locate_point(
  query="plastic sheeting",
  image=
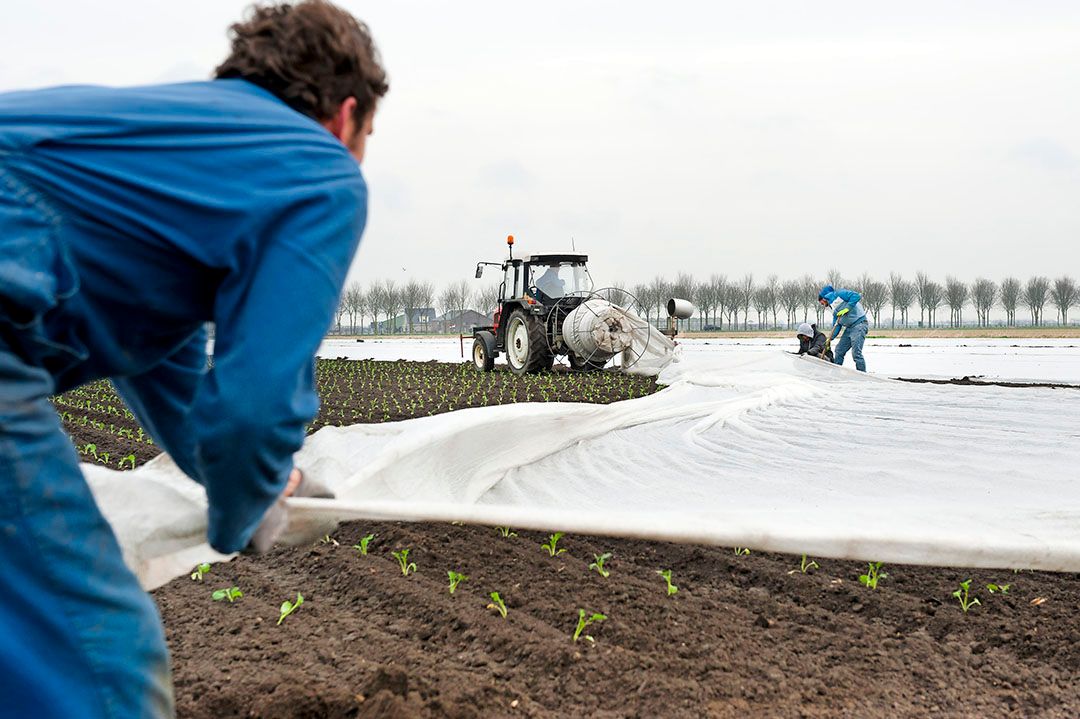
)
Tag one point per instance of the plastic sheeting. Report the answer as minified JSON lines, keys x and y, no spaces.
{"x":772,"y":452}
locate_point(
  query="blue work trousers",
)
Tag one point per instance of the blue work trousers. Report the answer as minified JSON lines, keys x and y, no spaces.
{"x":853,"y":339}
{"x":79,"y":638}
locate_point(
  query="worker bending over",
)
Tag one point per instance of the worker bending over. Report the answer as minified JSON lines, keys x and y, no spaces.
{"x":849,"y":316}
{"x":129,"y":218}
{"x":812,"y":342}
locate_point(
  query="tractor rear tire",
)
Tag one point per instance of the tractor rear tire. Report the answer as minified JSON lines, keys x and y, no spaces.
{"x":482,"y":355}
{"x":527,"y":348}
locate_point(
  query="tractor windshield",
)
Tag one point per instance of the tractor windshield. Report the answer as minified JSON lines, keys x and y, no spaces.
{"x":559,"y":279}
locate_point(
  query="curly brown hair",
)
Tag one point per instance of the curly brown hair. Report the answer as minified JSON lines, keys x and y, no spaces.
{"x":312,"y":55}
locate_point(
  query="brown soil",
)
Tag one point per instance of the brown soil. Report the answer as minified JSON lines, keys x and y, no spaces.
{"x":743,"y":636}
{"x":976,"y":382}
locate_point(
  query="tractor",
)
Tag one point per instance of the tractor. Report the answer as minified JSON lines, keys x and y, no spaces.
{"x":536,"y":295}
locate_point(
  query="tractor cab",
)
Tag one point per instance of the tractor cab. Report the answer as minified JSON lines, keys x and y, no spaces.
{"x":535,"y":295}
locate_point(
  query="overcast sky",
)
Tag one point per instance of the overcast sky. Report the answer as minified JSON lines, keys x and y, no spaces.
{"x":766,"y":137}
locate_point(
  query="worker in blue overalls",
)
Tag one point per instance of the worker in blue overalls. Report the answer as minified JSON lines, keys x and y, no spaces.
{"x":849,"y":317}
{"x":129,"y":218}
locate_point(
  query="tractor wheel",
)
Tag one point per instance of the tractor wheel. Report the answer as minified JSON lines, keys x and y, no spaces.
{"x":482,"y":356}
{"x":526,"y":344}
{"x":580,"y":364}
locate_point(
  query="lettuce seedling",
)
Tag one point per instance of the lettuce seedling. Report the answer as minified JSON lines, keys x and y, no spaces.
{"x":498,"y":604}
{"x":364,"y":542}
{"x":200,"y":570}
{"x":582,"y":622}
{"x":230,"y":593}
{"x":666,"y":574}
{"x":961,"y":595}
{"x":327,"y":539}
{"x":505,"y":532}
{"x":805,"y":566}
{"x":288,"y":607}
{"x":456,"y":578}
{"x":598,"y":565}
{"x":741,"y":551}
{"x":552,"y":543}
{"x":404,"y":563}
{"x":873,"y":575}
{"x":998,"y":588}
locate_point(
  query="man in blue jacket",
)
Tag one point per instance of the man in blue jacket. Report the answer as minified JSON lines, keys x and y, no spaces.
{"x":849,"y":316}
{"x":128,"y":219}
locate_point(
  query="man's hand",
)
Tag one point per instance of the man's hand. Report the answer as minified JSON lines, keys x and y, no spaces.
{"x":276,"y":519}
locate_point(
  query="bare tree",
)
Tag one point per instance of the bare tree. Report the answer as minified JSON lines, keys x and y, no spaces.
{"x":983,"y":296}
{"x":1036,"y":293}
{"x":661,"y":293}
{"x":956,"y":296}
{"x":415,"y":296}
{"x":389,"y":299}
{"x":1010,"y":299}
{"x":772,"y":295}
{"x":901,"y":296}
{"x":834,"y":278}
{"x":703,"y":299}
{"x":922,"y":293}
{"x":617,"y":295}
{"x":745,"y":293}
{"x":646,"y":302}
{"x":761,"y":304}
{"x":487,"y":299}
{"x":733,"y":303}
{"x":452,"y":301}
{"x":935,"y":295}
{"x":810,"y":289}
{"x":791,"y":297}
{"x":874,"y":296}
{"x":718,"y":287}
{"x":1064,"y":295}
{"x":353,"y":300}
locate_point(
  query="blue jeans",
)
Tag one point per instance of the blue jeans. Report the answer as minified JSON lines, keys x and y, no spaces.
{"x":853,"y":339}
{"x":78,"y":635}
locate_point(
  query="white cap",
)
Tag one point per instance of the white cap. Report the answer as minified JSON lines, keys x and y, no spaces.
{"x":806,"y":330}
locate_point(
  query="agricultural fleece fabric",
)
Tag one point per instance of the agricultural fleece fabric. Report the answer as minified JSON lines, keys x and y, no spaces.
{"x":128,"y":219}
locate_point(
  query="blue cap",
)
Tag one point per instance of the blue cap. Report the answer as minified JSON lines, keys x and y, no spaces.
{"x":826,"y":290}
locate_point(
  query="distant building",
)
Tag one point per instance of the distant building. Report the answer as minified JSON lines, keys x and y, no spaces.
{"x":462,"y":322}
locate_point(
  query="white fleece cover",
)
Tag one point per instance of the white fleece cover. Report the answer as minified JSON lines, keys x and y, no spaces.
{"x":897,"y":472}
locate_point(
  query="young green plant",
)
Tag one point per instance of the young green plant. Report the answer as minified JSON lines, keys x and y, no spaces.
{"x":404,"y":563}
{"x":552,"y":544}
{"x":230,"y":593}
{"x":666,"y":574}
{"x":288,"y":607}
{"x":456,"y":578}
{"x":497,"y":604}
{"x":505,"y":532}
{"x":998,"y":588}
{"x":582,"y":622}
{"x":805,"y":566}
{"x":873,"y":575}
{"x":962,"y":596}
{"x":598,"y":565}
{"x":200,"y":571}
{"x":362,"y":547}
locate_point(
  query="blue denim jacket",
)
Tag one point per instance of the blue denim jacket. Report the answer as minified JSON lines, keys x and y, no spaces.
{"x":131,"y":217}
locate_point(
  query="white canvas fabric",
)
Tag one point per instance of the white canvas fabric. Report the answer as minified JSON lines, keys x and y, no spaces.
{"x":922,"y":474}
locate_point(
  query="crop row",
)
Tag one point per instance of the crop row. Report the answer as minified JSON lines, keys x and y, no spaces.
{"x":964,"y":596}
{"x":351,"y":392}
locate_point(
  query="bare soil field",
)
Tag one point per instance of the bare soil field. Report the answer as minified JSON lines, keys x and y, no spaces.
{"x":745,"y":634}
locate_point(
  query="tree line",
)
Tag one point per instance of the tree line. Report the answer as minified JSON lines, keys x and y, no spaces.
{"x":742,"y":303}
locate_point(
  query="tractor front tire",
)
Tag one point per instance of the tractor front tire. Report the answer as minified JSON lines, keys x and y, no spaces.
{"x":527,"y":348}
{"x":483,"y":354}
